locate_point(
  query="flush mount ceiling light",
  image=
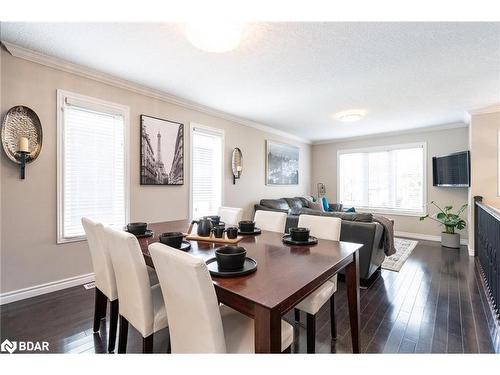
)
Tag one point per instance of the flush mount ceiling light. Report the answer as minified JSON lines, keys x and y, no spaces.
{"x":214,"y":36}
{"x":350,"y":115}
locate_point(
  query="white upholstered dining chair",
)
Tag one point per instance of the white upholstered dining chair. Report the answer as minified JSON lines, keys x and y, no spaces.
{"x":105,"y":284}
{"x":141,"y":304}
{"x":270,"y":220}
{"x":230,"y":215}
{"x":197,"y":323}
{"x":327,"y":228}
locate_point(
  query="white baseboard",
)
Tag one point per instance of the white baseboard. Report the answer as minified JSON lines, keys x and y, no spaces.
{"x":471,"y":250}
{"x":428,"y":237}
{"x":37,"y":290}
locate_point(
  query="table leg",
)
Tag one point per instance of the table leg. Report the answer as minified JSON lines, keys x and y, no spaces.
{"x":267,"y":330}
{"x":352,"y":283}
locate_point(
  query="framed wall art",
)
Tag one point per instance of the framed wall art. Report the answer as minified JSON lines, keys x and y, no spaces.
{"x":282,"y":164}
{"x":162,"y":151}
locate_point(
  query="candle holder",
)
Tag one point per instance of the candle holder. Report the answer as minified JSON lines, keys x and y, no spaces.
{"x":236,"y":164}
{"x":22,"y":155}
{"x":21,"y":122}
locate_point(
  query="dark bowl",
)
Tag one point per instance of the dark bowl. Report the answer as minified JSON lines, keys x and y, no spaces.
{"x":230,"y":258}
{"x":232,"y":232}
{"x":215,"y":219}
{"x":172,"y":239}
{"x":218,"y":231}
{"x":299,"y":234}
{"x":137,"y":228}
{"x":246,"y":226}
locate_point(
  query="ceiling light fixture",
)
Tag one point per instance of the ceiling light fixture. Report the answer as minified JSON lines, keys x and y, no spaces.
{"x":350,"y":115}
{"x":214,"y":36}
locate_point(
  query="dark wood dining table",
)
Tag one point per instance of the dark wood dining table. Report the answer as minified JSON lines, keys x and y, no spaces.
{"x":285,"y":275}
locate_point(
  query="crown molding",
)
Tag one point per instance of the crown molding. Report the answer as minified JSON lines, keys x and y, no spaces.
{"x":66,"y":66}
{"x":489,"y":109}
{"x":397,"y":132}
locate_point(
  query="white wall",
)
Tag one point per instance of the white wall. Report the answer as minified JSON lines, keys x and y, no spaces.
{"x":438,"y":142}
{"x":484,"y":128}
{"x":29,"y":253}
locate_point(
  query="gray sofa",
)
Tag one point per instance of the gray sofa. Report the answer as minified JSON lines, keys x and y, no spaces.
{"x":356,"y":227}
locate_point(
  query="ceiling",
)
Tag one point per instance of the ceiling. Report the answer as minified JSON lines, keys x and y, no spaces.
{"x":295,"y":76}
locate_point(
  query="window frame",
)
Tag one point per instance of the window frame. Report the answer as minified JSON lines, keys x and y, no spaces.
{"x":215,"y":131}
{"x":390,"y":211}
{"x":100,"y":106}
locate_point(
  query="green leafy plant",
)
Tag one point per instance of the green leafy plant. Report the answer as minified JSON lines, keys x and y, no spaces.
{"x":447,"y":218}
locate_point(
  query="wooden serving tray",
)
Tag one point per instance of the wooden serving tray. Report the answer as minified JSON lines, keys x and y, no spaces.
{"x":224,"y":239}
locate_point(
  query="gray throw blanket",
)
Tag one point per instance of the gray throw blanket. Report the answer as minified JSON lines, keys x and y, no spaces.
{"x":388,"y":235}
{"x":388,"y":225}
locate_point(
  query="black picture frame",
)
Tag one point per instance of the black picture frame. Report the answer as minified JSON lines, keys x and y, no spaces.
{"x":169,"y":170}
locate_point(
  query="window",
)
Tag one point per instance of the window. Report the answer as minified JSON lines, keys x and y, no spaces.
{"x":92,"y":164}
{"x":383,"y":179}
{"x":206,"y":170}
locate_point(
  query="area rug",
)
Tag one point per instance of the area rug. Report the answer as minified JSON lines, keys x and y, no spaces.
{"x":404,"y":247}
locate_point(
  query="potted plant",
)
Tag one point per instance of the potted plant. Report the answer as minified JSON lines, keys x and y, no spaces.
{"x":450,"y":221}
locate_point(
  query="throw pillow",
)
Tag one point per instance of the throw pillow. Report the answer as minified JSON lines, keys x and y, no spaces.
{"x":294,"y":202}
{"x":316,"y":206}
{"x":326,"y":205}
{"x":350,"y":210}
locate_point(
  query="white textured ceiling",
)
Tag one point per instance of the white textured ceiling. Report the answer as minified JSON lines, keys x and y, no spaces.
{"x":294,"y":76}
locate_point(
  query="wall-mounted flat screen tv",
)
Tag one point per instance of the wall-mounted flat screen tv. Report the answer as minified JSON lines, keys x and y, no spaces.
{"x":451,"y":170}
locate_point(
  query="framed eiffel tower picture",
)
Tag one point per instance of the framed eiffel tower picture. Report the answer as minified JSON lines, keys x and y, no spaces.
{"x":162,"y":151}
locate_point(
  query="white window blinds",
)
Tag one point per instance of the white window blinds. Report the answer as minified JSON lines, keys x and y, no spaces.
{"x":93,"y":178}
{"x":206,"y":189}
{"x":383,"y":179}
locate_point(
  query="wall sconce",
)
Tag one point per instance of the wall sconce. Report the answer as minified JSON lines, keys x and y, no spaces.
{"x":236,"y":164}
{"x":321,"y":189}
{"x":21,"y":136}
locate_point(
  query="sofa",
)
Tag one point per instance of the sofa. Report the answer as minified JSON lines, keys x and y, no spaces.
{"x":356,"y":227}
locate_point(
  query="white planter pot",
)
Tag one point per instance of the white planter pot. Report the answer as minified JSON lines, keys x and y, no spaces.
{"x":450,"y":240}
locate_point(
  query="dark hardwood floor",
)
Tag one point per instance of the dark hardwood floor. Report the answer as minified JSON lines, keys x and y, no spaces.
{"x":435,"y":304}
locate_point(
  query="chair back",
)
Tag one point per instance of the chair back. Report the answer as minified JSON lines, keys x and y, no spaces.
{"x":101,"y":259}
{"x":132,"y":280}
{"x":324,"y":227}
{"x":195,"y":323}
{"x":270,"y":220}
{"x":230,"y":215}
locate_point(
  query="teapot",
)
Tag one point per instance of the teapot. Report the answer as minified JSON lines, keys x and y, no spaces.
{"x":203,"y":226}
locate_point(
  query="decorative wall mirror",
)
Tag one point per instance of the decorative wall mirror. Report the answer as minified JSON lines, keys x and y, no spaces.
{"x":236,"y":164}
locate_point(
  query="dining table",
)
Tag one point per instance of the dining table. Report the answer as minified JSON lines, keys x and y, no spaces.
{"x":285,"y":275}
